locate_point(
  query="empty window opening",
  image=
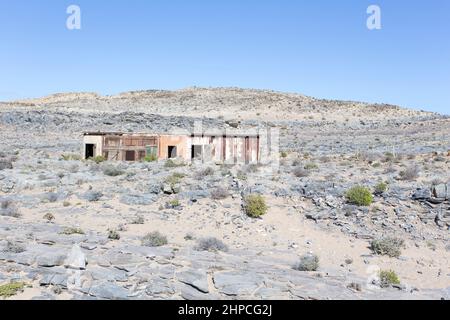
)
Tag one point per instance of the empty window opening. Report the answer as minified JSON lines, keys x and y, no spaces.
{"x":130,"y":156}
{"x":90,"y":151}
{"x":196,"y":152}
{"x":172,"y":152}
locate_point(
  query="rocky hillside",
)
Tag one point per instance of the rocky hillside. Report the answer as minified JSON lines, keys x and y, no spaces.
{"x":225,"y":102}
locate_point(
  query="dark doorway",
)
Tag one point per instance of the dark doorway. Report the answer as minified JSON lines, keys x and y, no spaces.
{"x":172,"y":152}
{"x":130,"y":156}
{"x":90,"y":151}
{"x":196,"y":152}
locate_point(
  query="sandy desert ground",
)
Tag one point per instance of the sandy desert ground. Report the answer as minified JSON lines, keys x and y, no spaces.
{"x":74,"y":229}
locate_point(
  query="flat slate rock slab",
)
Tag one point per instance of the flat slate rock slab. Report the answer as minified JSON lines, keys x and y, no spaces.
{"x":109,"y":291}
{"x":197,"y":279}
{"x":234,"y":283}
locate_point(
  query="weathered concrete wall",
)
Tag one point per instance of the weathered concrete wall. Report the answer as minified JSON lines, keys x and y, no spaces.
{"x":95,"y":140}
{"x":181,"y":142}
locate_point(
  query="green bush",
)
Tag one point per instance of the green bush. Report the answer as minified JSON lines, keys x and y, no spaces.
{"x":360,"y":196}
{"x":388,"y":278}
{"x":11,"y":289}
{"x":113,"y":235}
{"x":308,"y":262}
{"x":311,"y":166}
{"x":284,"y":154}
{"x":241,"y":176}
{"x":150,"y":158}
{"x":255,"y":206}
{"x":381,"y":188}
{"x":112,"y":171}
{"x":388,"y":157}
{"x":172,"y":204}
{"x":173,"y":164}
{"x":99,"y":159}
{"x":175,"y":178}
{"x":387,"y":246}
{"x":70,"y":231}
{"x":154,"y":239}
{"x":69,"y":157}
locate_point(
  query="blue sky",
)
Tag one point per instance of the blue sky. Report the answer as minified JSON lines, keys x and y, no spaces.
{"x":320,"y":48}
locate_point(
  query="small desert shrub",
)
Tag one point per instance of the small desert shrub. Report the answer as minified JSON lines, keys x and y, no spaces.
{"x":410,"y":173}
{"x":381,"y":188}
{"x":308,"y":262}
{"x":390,"y":169}
{"x":49,"y":217}
{"x":150,"y":158}
{"x":387,"y":246}
{"x":360,"y":196}
{"x":71,"y":157}
{"x":11,"y":289}
{"x":376,"y":165}
{"x":311,"y":166}
{"x":255,"y":206}
{"x":388,"y":157}
{"x":175,"y":178}
{"x":189,"y":236}
{"x":297,"y":162}
{"x":99,"y":159}
{"x":283,"y":154}
{"x":173,"y":164}
{"x":300,"y":172}
{"x":205,"y":172}
{"x":138,"y":220}
{"x":324,"y":159}
{"x":355,"y":286}
{"x":172,"y":204}
{"x":9,"y":209}
{"x":211,"y":244}
{"x":388,"y":278}
{"x":252,"y":168}
{"x":219,"y":193}
{"x":241,"y":176}
{"x":70,"y":231}
{"x":113,"y":235}
{"x":154,"y":239}
{"x":112,"y":171}
{"x":14,"y":247}
{"x":66,"y":204}
{"x":5,"y":164}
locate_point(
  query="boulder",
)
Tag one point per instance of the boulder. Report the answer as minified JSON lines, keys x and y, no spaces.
{"x":235,"y":283}
{"x":422,"y":194}
{"x":76,"y":259}
{"x":441,"y":191}
{"x":50,"y":259}
{"x":92,"y":196}
{"x":195,"y":278}
{"x":109,"y":291}
{"x":138,"y":199}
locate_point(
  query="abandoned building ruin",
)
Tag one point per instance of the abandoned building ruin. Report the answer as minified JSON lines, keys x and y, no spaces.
{"x":237,"y":148}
